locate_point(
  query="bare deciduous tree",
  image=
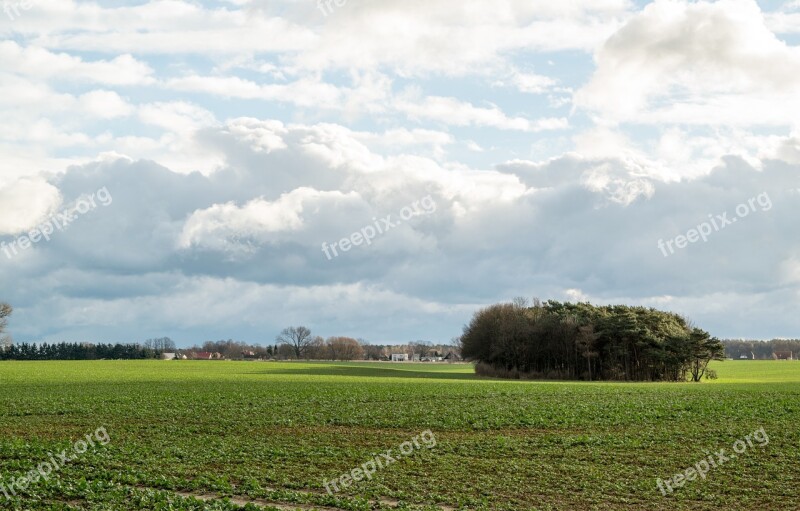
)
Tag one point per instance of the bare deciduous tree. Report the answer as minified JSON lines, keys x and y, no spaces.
{"x":285,"y":352}
{"x":299,"y":338}
{"x":345,"y":348}
{"x":160,"y":344}
{"x":5,"y":312}
{"x":316,"y":349}
{"x":421,"y":348}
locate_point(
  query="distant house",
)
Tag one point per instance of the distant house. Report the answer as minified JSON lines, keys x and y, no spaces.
{"x":168,"y":356}
{"x":205,"y":355}
{"x":432,"y":359}
{"x":452,"y":357}
{"x":783,"y":355}
{"x":399,"y":357}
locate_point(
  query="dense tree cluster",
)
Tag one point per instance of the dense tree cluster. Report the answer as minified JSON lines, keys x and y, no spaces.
{"x":582,"y":341}
{"x":76,"y":351}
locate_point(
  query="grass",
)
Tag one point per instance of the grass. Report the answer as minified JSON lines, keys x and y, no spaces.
{"x":273,"y":432}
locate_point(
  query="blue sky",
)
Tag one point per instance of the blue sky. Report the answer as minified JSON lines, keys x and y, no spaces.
{"x":561,"y":146}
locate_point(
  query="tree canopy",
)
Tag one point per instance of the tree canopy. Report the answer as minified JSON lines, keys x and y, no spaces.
{"x":299,"y":338}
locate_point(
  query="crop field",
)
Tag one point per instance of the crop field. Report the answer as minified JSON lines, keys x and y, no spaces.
{"x":266,"y":435}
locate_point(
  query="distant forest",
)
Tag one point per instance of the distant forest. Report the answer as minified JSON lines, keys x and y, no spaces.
{"x":581,"y":341}
{"x":336,"y":348}
{"x":761,"y":350}
{"x":293,"y":343}
{"x":551,"y":340}
{"x":76,"y":351}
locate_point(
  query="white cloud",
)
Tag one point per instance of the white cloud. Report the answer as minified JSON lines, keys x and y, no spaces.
{"x":230,"y":228}
{"x":438,"y":36}
{"x":459,"y":113}
{"x":696,"y":63}
{"x":785,"y":20}
{"x":237,"y":138}
{"x":789,"y":150}
{"x":305,"y":92}
{"x":161,"y":27}
{"x":40,"y":63}
{"x":179,"y":116}
{"x":529,"y":83}
{"x":24,"y":203}
{"x":105,"y":104}
{"x":419,"y":36}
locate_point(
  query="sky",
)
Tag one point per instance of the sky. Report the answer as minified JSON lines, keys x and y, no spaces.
{"x":384,"y":168}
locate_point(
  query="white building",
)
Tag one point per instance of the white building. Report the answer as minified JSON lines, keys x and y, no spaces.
{"x":399,"y":357}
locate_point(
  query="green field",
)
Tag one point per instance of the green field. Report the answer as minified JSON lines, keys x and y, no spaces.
{"x":264,"y":435}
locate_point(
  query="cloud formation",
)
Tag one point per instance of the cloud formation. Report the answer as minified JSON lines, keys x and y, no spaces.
{"x":560,"y":142}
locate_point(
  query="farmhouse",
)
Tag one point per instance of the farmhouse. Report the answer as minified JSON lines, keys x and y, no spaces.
{"x":783,"y":355}
{"x":399,"y":357}
{"x":168,"y":356}
{"x":452,"y":357}
{"x":205,"y":355}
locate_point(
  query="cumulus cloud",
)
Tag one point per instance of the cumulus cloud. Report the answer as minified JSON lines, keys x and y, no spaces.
{"x":423,"y":36}
{"x":459,"y":113}
{"x":305,"y":92}
{"x":228,"y":227}
{"x":23,"y":203}
{"x":105,"y":104}
{"x":569,"y":227}
{"x":40,"y":63}
{"x":232,"y":157}
{"x":695,"y":63}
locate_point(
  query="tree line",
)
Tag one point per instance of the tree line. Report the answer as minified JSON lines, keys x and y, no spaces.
{"x":760,"y":350}
{"x":555,"y":340}
{"x":297,"y":342}
{"x":298,"y":345}
{"x":76,"y":351}
{"x":292,"y":343}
